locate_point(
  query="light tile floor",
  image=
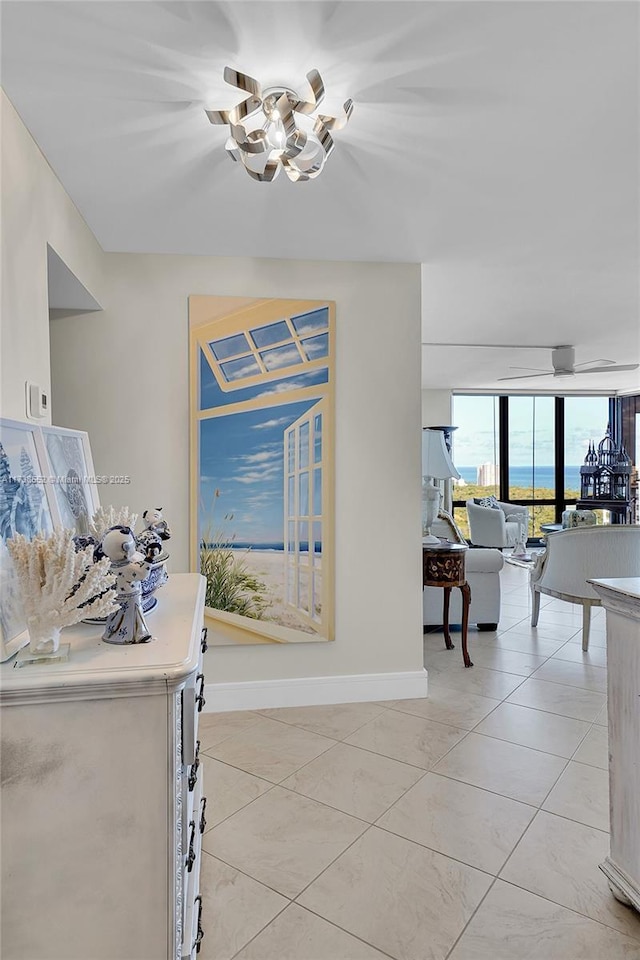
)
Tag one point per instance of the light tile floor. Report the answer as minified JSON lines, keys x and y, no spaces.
{"x":466,"y":826}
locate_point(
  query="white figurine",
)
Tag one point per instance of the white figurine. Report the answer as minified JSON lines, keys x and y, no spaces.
{"x":127,"y":624}
{"x":153,"y":521}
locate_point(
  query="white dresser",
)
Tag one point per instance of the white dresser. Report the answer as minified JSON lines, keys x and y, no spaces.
{"x":102,"y":803}
{"x":621,"y":599}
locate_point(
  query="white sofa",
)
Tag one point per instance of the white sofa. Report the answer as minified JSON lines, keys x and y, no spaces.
{"x":482,"y":569}
{"x":502,"y":527}
{"x":573,"y":557}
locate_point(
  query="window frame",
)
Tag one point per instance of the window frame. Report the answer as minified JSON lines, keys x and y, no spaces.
{"x":559,"y":502}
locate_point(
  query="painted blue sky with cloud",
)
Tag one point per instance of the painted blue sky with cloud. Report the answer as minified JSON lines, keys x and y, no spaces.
{"x":241,"y":455}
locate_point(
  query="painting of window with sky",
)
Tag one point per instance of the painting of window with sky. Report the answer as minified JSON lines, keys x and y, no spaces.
{"x":261,"y":380}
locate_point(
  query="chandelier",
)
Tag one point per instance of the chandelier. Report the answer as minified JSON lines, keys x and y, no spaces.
{"x":275,"y":129}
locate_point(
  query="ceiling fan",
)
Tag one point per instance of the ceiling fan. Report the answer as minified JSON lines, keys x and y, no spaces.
{"x":563,"y":361}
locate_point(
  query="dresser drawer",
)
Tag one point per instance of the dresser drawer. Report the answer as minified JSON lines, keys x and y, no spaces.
{"x":193,"y":702}
{"x":191,"y":947}
{"x":193,"y":838}
{"x":191,"y":791}
{"x":191,"y":870}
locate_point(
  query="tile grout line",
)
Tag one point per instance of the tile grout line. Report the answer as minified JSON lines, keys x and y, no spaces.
{"x":298,"y":726}
{"x":342,"y":929}
{"x":244,"y":873}
{"x":460,"y":935}
{"x":269,"y":922}
{"x":244,"y":805}
{"x":556,"y":903}
{"x":530,"y":706}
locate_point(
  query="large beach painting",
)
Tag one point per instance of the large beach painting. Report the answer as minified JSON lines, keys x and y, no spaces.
{"x":262,"y":466}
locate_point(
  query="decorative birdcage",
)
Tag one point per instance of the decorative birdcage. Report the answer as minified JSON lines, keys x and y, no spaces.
{"x":606,"y":472}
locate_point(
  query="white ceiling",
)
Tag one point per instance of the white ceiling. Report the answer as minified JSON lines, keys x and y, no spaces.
{"x":494,"y":142}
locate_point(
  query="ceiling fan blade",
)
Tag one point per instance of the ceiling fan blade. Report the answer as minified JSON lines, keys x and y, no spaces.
{"x":535,"y":369}
{"x":589,"y":362}
{"x":614,"y":369}
{"x":529,"y":376}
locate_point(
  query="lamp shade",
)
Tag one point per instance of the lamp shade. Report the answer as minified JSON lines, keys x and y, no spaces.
{"x":436,"y":461}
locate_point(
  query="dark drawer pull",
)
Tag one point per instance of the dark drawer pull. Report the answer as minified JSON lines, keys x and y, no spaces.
{"x":204,"y":646}
{"x":203,"y":819}
{"x":193,"y":772}
{"x":200,"y":934}
{"x":191,"y":856}
{"x":200,"y":700}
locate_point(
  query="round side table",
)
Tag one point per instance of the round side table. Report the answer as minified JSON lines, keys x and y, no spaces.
{"x":443,"y":566}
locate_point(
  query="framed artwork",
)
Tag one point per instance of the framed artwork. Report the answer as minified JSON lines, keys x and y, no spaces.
{"x":262,"y":481}
{"x":67,"y":456}
{"x":27,"y":506}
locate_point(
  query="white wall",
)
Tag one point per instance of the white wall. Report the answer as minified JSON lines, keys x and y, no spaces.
{"x":35,"y":211}
{"x":123,"y":376}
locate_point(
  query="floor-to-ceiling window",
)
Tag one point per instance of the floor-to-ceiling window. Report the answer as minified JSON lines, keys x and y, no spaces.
{"x":531,"y":458}
{"x":580,"y":415}
{"x":476,"y":443}
{"x":524,"y":449}
{"x":476,"y":452}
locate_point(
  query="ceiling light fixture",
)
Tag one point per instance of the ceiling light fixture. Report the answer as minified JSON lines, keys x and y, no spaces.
{"x":274,"y":129}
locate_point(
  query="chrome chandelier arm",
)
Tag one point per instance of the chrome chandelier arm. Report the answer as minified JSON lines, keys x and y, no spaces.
{"x":265,"y":135}
{"x":317,"y":94}
{"x":337,"y":123}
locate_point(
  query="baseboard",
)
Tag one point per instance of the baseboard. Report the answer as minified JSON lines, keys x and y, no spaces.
{"x":312,"y":691}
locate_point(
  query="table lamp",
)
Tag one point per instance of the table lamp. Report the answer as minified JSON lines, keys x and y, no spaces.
{"x":436,"y":465}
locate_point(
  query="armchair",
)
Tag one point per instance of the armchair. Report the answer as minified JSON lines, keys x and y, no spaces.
{"x":573,"y":557}
{"x":501,"y":526}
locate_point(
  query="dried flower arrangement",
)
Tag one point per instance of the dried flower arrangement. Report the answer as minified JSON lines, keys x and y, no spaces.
{"x":59,"y":585}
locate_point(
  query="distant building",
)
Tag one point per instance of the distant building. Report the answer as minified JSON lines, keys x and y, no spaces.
{"x":487,"y":475}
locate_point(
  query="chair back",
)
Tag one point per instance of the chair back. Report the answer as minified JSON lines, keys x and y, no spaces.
{"x":584,"y":553}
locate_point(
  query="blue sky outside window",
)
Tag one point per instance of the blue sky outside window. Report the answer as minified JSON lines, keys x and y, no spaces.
{"x":291,"y":450}
{"x":281,"y":357}
{"x":303,"y":501}
{"x":229,"y":346}
{"x":303,"y":446}
{"x":317,"y":492}
{"x":273,"y":333}
{"x":316,"y":347}
{"x":239,"y":369}
{"x":313,"y":322}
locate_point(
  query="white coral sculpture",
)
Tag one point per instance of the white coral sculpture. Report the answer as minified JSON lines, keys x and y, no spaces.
{"x":107,"y":517}
{"x":59,"y":586}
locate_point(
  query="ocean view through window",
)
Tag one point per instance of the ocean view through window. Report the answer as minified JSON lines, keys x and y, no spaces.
{"x":525,"y":450}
